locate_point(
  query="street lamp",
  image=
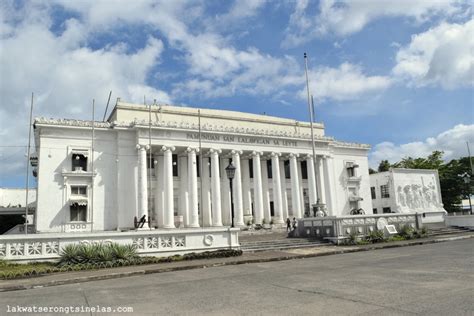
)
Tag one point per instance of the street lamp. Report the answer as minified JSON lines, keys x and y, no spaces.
{"x":467,"y":180}
{"x":230,"y":170}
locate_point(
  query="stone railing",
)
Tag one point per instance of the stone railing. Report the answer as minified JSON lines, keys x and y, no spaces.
{"x":338,"y":228}
{"x":40,"y":247}
{"x":460,"y":221}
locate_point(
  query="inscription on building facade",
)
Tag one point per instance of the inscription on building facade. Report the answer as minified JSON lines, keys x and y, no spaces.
{"x":242,"y":139}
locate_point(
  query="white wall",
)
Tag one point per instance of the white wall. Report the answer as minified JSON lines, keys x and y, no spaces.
{"x":343,"y":183}
{"x":426,"y":181}
{"x":54,"y":185}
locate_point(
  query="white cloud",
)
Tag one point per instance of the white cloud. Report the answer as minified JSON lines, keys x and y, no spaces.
{"x":242,"y":9}
{"x":347,"y":82}
{"x":215,"y":66}
{"x":440,"y":56}
{"x":452,"y":142}
{"x":64,"y":73}
{"x":346,"y":17}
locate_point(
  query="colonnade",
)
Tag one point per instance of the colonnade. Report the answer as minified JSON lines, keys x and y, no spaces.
{"x":215,"y":199}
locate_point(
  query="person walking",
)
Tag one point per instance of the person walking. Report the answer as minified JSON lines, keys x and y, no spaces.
{"x":288,"y":224}
{"x":294,"y":223}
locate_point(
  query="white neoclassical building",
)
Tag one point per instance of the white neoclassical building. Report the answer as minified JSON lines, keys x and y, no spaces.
{"x":167,"y":163}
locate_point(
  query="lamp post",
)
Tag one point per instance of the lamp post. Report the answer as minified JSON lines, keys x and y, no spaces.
{"x":467,"y":180}
{"x":230,"y":170}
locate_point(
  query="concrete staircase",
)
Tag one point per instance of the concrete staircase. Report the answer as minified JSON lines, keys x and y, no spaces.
{"x":446,"y":231}
{"x":276,"y":241}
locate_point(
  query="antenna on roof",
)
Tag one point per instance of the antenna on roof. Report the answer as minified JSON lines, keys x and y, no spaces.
{"x":110,"y":94}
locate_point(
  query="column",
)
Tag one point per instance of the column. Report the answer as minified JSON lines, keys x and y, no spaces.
{"x":320,"y":180}
{"x":225,"y":192}
{"x":183,"y":201}
{"x":206,"y":193}
{"x":277,"y":198}
{"x":142,"y":184}
{"x":193,"y":220}
{"x":246,"y":194}
{"x":327,"y":167}
{"x":295,"y":186}
{"x":311,"y":182}
{"x":168,"y":187}
{"x":265,"y":193}
{"x":257,"y":188}
{"x":237,"y":190}
{"x":159,"y":193}
{"x":284,"y":193}
{"x":215,"y":187}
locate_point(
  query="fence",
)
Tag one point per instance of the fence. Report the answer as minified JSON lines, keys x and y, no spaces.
{"x":340,"y":228}
{"x":40,"y":247}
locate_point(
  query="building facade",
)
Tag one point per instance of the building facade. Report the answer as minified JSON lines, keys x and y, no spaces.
{"x":406,"y":191}
{"x":167,"y":163}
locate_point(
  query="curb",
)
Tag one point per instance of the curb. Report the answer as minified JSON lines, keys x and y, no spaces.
{"x":229,"y":263}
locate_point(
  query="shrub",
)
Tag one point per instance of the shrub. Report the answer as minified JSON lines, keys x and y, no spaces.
{"x":352,"y":238}
{"x":96,"y":254}
{"x":375,"y":236}
{"x":406,"y":232}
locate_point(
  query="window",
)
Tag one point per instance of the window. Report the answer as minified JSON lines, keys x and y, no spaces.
{"x":79,"y":190}
{"x":384,"y":191}
{"x":372,"y":192}
{"x":387,"y":210}
{"x":198,"y":165}
{"x":286,"y":165}
{"x":78,"y":212}
{"x":150,"y":161}
{"x":304,"y":169}
{"x":351,"y":169}
{"x":269,"y":169}
{"x":351,"y":172}
{"x":374,"y":210}
{"x":79,"y":162}
{"x":251,"y":168}
{"x":175,"y":165}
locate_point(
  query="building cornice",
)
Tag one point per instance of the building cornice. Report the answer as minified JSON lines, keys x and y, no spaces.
{"x":194,"y":127}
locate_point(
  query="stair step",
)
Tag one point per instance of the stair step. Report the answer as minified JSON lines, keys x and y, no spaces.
{"x":279,"y":241}
{"x":278,"y":245}
{"x":282,"y":248}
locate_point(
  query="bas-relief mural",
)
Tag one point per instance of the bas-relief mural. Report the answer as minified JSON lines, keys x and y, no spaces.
{"x":416,"y":193}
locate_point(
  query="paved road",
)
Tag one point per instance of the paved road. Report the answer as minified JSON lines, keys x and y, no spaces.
{"x":435,"y":279}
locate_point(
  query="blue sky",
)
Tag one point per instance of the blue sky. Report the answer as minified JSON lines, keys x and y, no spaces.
{"x":397,"y":75}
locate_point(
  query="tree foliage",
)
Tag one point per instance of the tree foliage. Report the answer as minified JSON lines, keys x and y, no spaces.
{"x":384,"y":166}
{"x":453,"y":187}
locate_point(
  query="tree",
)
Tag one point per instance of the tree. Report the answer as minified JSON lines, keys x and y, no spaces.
{"x":384,"y":166}
{"x":433,"y":161}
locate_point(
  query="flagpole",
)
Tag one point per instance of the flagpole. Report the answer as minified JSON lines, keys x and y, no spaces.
{"x":310,"y":109}
{"x":470,"y":160}
{"x":92,"y":165}
{"x":149,"y":162}
{"x":28,"y":166}
{"x":200,"y":168}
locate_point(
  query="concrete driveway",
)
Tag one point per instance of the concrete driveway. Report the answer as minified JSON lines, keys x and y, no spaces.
{"x":434,"y":279}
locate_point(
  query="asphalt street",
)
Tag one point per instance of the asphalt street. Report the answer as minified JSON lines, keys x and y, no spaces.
{"x":434,"y":279}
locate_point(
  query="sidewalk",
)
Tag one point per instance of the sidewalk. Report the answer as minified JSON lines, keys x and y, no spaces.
{"x":263,"y":256}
